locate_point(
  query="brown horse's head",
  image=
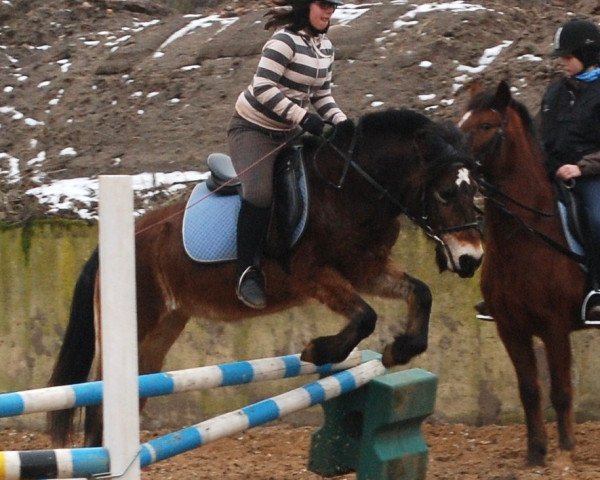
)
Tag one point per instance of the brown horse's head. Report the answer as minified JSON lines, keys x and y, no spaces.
{"x":493,"y":122}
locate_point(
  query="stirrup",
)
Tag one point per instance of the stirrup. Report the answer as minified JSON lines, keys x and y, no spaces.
{"x":592,"y":294}
{"x":482,"y":312}
{"x":256,"y":297}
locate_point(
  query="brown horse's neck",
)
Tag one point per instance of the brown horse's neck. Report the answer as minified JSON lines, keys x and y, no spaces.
{"x":527,"y":192}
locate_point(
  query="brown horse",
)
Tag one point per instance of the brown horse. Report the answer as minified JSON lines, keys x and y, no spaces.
{"x":530,"y":283}
{"x":393,"y":162}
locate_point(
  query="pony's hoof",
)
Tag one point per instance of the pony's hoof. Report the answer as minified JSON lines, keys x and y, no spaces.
{"x":536,"y":456}
{"x":402,"y":351}
{"x":320,"y":352}
{"x":307,"y":354}
{"x":314,"y":353}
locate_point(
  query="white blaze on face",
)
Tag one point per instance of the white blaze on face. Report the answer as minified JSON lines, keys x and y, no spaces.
{"x":464,"y":118}
{"x":463,"y":177}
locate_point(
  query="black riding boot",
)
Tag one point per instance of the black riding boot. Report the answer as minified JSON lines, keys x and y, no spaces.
{"x":591,"y":304}
{"x":251,"y":231}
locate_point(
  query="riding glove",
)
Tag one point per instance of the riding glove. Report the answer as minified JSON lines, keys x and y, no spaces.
{"x":312,"y":123}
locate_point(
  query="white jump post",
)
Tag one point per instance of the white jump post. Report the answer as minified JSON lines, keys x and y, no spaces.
{"x":119,"y":326}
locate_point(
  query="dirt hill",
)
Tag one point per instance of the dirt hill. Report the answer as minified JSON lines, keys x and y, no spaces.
{"x":130,"y":86}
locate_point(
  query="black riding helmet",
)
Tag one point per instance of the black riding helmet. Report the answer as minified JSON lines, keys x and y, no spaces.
{"x":296,"y":18}
{"x":298,"y":4}
{"x":300,"y":10}
{"x":580,"y":38}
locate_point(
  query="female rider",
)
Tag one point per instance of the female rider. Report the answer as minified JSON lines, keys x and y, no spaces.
{"x":294,"y":70}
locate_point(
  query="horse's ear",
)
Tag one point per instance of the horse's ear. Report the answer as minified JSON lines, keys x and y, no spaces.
{"x":502,"y":97}
{"x":475,"y":87}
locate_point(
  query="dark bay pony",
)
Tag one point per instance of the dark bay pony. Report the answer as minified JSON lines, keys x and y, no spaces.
{"x":394,"y":162}
{"x":530,"y":285}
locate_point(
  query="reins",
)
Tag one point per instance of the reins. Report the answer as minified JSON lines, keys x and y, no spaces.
{"x":349,"y":162}
{"x":495,"y":195}
{"x":222,"y":185}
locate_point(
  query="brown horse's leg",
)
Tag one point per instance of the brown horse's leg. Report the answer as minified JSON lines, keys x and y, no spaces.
{"x":519,"y":346}
{"x":152,"y":350}
{"x":394,"y":283}
{"x":155,"y":344}
{"x":333,"y":290}
{"x":93,"y":426}
{"x":414,"y":340}
{"x":558,"y":353}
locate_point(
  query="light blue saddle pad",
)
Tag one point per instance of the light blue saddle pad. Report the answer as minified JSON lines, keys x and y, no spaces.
{"x":210,"y":223}
{"x":573,"y":243}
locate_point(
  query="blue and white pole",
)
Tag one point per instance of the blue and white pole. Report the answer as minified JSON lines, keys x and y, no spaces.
{"x":87,"y":462}
{"x":155,"y":384}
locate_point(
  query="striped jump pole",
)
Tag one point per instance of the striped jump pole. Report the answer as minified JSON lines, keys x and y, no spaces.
{"x":166,"y":383}
{"x":64,"y":463}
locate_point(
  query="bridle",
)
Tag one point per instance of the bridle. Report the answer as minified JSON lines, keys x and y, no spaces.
{"x":489,"y":190}
{"x":500,"y":198}
{"x":420,"y":219}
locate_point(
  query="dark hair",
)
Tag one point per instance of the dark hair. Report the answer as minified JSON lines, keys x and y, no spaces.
{"x":294,"y":18}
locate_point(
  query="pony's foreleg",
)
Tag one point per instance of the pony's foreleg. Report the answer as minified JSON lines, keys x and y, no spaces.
{"x":333,"y":290}
{"x":520,"y":350}
{"x":393,"y":283}
{"x":558,"y":354}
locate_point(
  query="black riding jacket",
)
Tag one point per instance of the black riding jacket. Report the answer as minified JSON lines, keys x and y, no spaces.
{"x":570,"y":114}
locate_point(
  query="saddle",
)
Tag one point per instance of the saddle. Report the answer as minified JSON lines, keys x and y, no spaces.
{"x":210,"y":218}
{"x":571,"y":220}
{"x":573,"y":224}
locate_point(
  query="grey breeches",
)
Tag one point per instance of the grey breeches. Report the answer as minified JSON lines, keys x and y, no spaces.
{"x":253,"y":151}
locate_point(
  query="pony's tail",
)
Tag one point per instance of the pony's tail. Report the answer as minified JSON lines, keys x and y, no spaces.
{"x":77,"y":352}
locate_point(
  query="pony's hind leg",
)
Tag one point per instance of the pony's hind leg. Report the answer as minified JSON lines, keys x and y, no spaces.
{"x":154,"y":344}
{"x":93,"y":426}
{"x":519,"y":346}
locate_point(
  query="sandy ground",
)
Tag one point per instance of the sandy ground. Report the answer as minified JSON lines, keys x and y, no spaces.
{"x":279,"y":452}
{"x":99,"y":115}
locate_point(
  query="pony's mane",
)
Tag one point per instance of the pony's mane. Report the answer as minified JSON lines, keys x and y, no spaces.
{"x":448,"y":145}
{"x":399,"y":120}
{"x":485,"y":100}
{"x":445,"y":141}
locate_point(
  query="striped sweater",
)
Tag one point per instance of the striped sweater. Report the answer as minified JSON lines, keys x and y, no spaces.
{"x":294,"y":69}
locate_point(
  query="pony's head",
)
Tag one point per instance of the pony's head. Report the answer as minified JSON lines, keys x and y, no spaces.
{"x":423,"y":170}
{"x":447,"y":196}
{"x":491,"y":117}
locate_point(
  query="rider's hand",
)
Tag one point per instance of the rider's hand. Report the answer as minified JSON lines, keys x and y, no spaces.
{"x":568,"y":171}
{"x":312,"y":123}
